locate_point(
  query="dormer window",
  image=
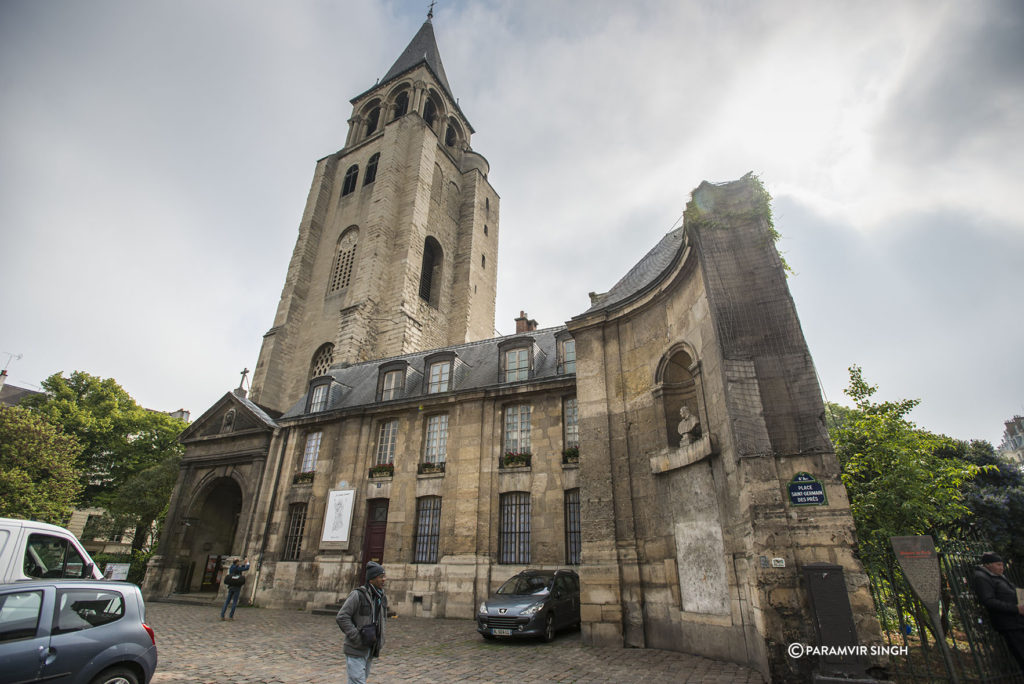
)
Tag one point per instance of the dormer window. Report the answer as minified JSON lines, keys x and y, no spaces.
{"x":566,"y":355}
{"x":318,"y":397}
{"x":438,"y":370}
{"x":516,"y":362}
{"x":391,"y":380}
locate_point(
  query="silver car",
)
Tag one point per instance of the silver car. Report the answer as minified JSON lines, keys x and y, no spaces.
{"x":534,"y":603}
{"x":88,"y":631}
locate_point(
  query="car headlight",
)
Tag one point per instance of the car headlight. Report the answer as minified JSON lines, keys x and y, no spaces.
{"x":483,"y":607}
{"x":532,"y":609}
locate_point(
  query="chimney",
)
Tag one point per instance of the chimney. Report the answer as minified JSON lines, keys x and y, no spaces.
{"x":524,"y":324}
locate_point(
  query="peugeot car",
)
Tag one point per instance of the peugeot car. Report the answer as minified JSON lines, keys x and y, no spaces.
{"x":73,"y":631}
{"x":534,"y":603}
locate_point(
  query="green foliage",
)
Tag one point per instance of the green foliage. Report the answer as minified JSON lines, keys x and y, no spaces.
{"x":142,"y":499}
{"x":899,"y":480}
{"x":38,"y":478}
{"x":995,"y":498}
{"x":119,"y":438}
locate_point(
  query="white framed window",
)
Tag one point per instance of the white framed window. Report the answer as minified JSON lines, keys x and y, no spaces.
{"x":318,"y":402}
{"x":571,"y":424}
{"x":311,"y":453}
{"x":567,"y":354}
{"x":517,"y":428}
{"x":391,"y":384}
{"x":440,"y":374}
{"x":435,"y":445}
{"x":386,"y":439}
{"x":517,"y":364}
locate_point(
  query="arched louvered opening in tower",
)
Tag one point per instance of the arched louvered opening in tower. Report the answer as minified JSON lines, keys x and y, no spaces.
{"x":430,"y":272}
{"x":322,"y":360}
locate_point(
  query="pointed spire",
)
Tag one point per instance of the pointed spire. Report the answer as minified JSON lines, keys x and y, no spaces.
{"x":422,"y":49}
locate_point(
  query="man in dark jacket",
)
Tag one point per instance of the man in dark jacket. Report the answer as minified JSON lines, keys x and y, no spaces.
{"x":999,"y":597}
{"x":366,"y":605}
{"x":234,"y":581}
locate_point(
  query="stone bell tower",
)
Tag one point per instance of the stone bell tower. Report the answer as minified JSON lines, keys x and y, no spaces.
{"x":398,"y":246}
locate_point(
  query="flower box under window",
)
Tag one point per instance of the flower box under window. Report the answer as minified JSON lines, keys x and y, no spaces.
{"x":303,"y":478}
{"x":383,"y":470}
{"x":515,"y":459}
{"x":428,"y":468}
{"x":571,"y":455}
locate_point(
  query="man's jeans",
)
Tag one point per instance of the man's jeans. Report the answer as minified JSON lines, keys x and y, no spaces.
{"x":358,"y":668}
{"x":233,"y":593}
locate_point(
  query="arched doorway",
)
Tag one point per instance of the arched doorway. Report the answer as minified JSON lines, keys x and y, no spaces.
{"x":214,"y":524}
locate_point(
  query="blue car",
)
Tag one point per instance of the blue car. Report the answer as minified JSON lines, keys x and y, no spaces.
{"x":534,"y":603}
{"x":75,"y":631}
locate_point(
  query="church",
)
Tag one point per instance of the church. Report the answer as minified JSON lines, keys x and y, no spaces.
{"x":668,"y":443}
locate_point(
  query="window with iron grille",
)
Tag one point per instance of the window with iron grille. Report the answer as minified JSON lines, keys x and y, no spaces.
{"x":311,"y":453}
{"x":440,"y":373}
{"x":296,"y":527}
{"x":318,"y":402}
{"x":517,"y":365}
{"x":386,"y":442}
{"x":341,"y":273}
{"x":391,"y":385}
{"x":322,"y":360}
{"x":572,"y":526}
{"x":568,"y":356}
{"x":428,"y":527}
{"x":514,"y":529}
{"x":435,"y":446}
{"x":517,"y":428}
{"x":570,"y":419}
{"x":351,"y":177}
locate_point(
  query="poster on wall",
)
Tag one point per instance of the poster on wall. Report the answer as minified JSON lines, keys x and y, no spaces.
{"x":338,"y":520}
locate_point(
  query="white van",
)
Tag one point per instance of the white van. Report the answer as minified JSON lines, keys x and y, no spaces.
{"x":30,"y":550}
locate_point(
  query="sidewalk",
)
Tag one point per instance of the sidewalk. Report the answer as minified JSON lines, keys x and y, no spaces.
{"x":295,"y":647}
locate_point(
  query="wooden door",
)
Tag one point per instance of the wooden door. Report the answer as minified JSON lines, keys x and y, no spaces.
{"x":373,"y":538}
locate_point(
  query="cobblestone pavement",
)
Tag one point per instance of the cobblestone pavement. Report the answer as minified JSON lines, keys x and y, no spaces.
{"x":279,"y":646}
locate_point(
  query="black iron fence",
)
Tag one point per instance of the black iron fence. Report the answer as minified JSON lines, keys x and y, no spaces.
{"x":977,"y":653}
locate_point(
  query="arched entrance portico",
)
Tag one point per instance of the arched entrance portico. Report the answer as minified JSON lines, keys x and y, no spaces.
{"x":213,"y":529}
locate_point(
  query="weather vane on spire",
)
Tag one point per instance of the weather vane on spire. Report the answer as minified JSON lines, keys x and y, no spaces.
{"x":430,"y":11}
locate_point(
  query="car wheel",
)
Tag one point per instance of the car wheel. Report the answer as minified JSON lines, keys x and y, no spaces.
{"x":116,"y":675}
{"x":549,"y":628}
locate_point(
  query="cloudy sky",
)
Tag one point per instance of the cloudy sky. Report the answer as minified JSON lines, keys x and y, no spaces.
{"x":155,"y":159}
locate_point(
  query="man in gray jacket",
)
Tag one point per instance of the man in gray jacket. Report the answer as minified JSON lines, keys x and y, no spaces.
{"x":365,"y":606}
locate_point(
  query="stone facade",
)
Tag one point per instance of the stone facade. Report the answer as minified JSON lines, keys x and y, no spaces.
{"x":654,"y":441}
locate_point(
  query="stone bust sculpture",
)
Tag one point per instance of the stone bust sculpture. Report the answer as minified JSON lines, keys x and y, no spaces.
{"x":689,"y":426}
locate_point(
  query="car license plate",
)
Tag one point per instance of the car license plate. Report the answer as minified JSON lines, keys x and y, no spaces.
{"x":501,"y":632}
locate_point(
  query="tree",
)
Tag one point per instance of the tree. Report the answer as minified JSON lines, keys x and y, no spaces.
{"x":38,"y":478}
{"x":995,"y":498}
{"x":127,"y":451}
{"x":119,"y":438}
{"x":898,"y":481}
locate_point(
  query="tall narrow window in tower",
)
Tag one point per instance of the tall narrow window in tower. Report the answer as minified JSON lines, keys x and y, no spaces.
{"x":295,"y":529}
{"x":348,"y":186}
{"x":430,"y":272}
{"x":572,"y":526}
{"x":517,"y":429}
{"x":401,"y":104}
{"x":386,"y":439}
{"x":344,"y":259}
{"x":322,"y":359}
{"x":450,"y":136}
{"x":311,"y":453}
{"x":570,"y":419}
{"x":430,"y":111}
{"x":371,"y":169}
{"x":372,"y":120}
{"x":428,"y":527}
{"x":435,"y":446}
{"x":514,"y":528}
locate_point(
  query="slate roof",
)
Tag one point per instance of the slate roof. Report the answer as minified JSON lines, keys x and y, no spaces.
{"x":422,"y":48}
{"x":476,"y":367}
{"x":643,"y":275}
